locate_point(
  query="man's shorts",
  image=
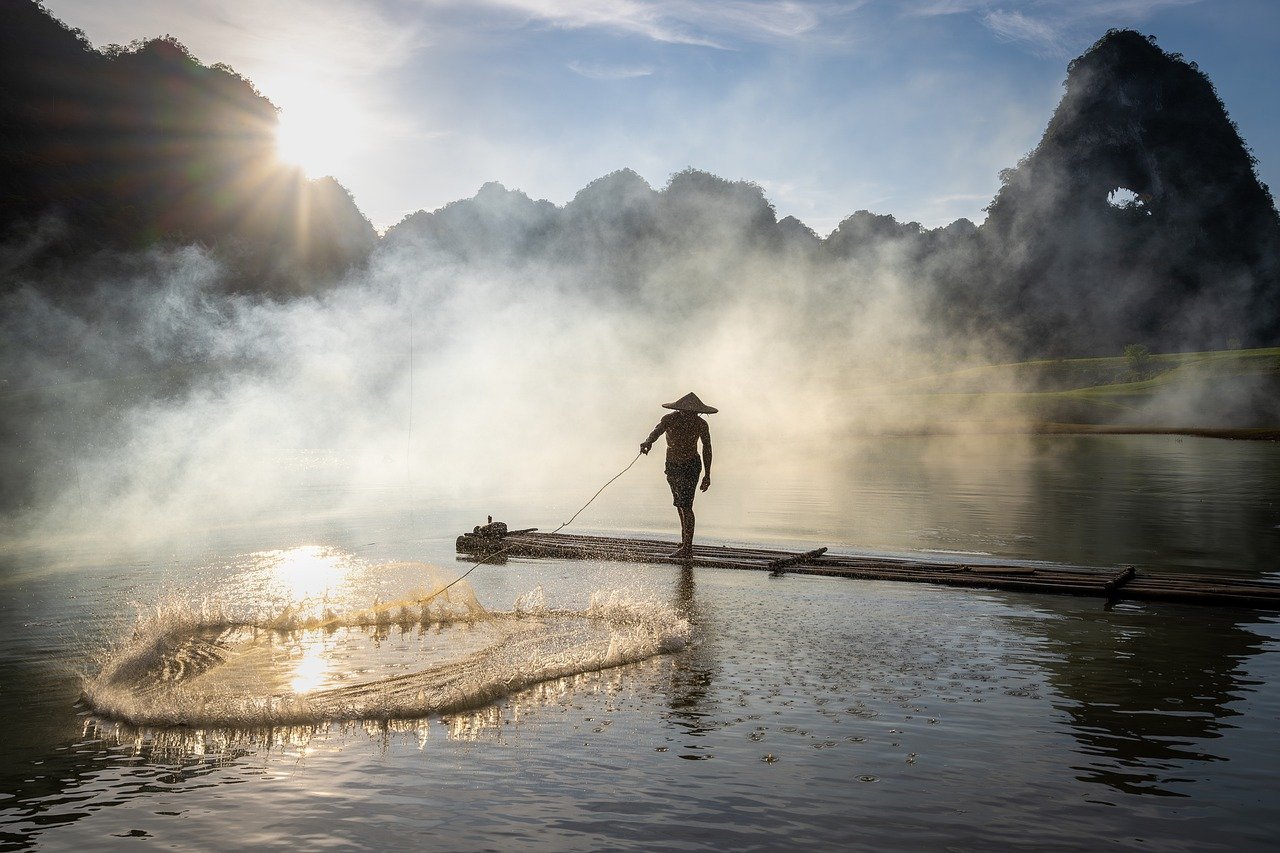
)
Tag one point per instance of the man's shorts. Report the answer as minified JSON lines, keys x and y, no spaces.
{"x":682,"y":475}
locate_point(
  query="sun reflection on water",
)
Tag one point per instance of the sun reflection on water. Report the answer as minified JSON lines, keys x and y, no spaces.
{"x":308,"y":572}
{"x":311,"y":667}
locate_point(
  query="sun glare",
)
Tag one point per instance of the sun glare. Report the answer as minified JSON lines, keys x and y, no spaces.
{"x":322,"y":127}
{"x":308,"y":572}
{"x":310,"y":668}
{"x":317,"y":142}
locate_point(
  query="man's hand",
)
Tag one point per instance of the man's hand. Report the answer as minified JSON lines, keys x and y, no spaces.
{"x":645,"y":447}
{"x":706,"y":482}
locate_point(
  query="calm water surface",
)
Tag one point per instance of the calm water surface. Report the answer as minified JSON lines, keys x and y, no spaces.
{"x":804,"y":712}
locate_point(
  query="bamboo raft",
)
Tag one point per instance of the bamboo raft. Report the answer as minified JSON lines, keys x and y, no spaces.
{"x":494,"y":543}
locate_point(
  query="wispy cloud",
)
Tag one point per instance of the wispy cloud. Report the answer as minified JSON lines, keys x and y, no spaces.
{"x":609,"y":72}
{"x":1041,"y":35}
{"x":692,"y":22}
{"x":331,"y":37}
{"x":932,"y":8}
{"x":1135,"y":9}
{"x":1046,"y":27}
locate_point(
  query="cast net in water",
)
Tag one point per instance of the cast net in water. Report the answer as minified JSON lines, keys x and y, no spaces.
{"x":427,"y":654}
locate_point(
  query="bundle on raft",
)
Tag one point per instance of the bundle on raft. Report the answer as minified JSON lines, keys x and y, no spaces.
{"x":494,"y":542}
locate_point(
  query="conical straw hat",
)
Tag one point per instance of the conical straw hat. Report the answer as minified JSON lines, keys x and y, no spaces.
{"x":690,"y":403}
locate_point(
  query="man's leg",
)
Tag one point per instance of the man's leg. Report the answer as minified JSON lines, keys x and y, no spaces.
{"x":686,"y":532}
{"x":683,"y":482}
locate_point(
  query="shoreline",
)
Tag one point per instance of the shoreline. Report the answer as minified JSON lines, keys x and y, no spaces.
{"x":1053,"y":428}
{"x":1234,"y":433}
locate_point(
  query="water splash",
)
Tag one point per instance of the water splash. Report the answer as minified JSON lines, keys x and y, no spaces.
{"x":428,"y":654}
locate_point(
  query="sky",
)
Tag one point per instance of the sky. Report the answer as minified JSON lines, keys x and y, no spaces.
{"x":909,"y":108}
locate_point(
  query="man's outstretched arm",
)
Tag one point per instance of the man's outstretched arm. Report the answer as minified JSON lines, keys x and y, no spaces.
{"x":647,"y":444}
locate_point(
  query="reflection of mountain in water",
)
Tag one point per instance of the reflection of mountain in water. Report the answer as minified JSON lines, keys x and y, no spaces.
{"x":1203,"y":505}
{"x":1144,"y":693}
{"x":1160,"y":503}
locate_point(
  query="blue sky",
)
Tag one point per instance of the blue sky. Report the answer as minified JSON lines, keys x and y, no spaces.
{"x":909,"y":108}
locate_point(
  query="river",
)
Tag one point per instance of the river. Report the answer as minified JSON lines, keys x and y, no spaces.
{"x":772,"y":712}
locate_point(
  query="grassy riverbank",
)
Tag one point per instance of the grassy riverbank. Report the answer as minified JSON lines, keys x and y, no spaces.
{"x":1222,"y":394}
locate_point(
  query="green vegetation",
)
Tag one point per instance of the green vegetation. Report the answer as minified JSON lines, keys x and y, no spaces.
{"x":1139,"y":358}
{"x":1109,"y":391}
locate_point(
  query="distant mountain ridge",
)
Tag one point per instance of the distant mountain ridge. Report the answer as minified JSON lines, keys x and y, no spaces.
{"x":1190,"y":260}
{"x":622,"y":213}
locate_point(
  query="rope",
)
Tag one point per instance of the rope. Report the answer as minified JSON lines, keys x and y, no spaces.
{"x":421,"y":601}
{"x":488,"y":557}
{"x":598,"y":491}
{"x":408,"y":437}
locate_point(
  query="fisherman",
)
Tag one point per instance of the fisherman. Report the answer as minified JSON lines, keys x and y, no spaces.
{"x":683,"y":428}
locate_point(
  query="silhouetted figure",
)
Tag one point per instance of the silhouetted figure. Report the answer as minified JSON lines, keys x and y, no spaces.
{"x":683,"y":428}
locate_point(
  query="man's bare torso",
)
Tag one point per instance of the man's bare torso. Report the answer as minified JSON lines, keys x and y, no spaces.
{"x":683,"y":429}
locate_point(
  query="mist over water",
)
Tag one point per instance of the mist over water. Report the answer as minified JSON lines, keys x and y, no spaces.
{"x":154,"y":400}
{"x":501,"y":341}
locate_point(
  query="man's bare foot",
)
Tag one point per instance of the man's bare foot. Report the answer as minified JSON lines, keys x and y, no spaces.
{"x":681,"y":552}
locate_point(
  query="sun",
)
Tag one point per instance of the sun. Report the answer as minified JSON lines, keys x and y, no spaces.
{"x":318,"y":142}
{"x":321,"y":129}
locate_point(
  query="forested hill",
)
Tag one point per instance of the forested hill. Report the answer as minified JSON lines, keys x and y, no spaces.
{"x":1141,"y":204}
{"x":131,"y":147}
